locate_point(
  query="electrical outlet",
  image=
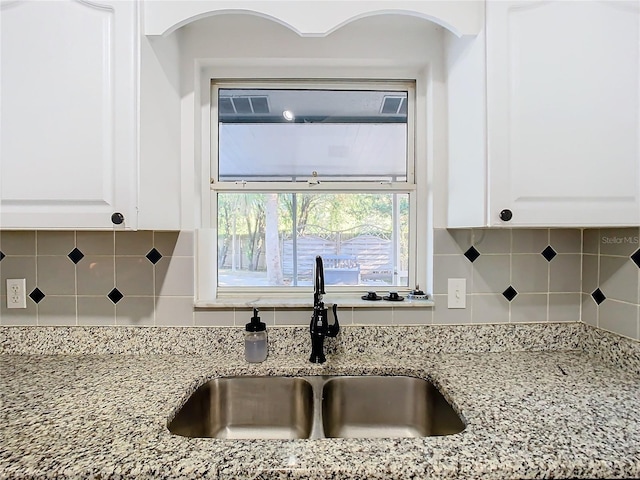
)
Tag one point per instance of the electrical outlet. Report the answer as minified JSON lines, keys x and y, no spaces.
{"x":457,"y":293}
{"x":16,"y":293}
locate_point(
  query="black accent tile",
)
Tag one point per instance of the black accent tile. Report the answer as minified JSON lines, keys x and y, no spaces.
{"x":635,"y":258}
{"x":472,"y":254}
{"x":598,"y":296}
{"x":549,"y":253}
{"x":75,"y":255}
{"x":36,"y":295}
{"x":2,"y":255}
{"x":510,"y":293}
{"x":154,"y":256}
{"x":115,"y":296}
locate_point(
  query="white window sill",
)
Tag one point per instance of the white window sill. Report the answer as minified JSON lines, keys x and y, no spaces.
{"x":306,"y":301}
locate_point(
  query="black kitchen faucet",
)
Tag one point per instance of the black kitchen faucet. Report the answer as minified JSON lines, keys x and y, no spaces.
{"x":320,"y":327}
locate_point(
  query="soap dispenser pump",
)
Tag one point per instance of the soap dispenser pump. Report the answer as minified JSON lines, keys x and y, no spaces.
{"x":255,"y":339}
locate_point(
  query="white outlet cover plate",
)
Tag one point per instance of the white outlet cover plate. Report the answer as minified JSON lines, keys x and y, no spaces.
{"x":457,"y":293}
{"x":16,"y":293}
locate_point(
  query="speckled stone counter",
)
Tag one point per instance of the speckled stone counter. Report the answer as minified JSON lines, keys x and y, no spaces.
{"x":539,"y":401}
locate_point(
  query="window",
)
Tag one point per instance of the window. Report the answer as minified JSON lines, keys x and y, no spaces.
{"x":308,"y":168}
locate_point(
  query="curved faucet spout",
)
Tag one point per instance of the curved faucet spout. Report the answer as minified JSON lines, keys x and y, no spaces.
{"x":318,"y":289}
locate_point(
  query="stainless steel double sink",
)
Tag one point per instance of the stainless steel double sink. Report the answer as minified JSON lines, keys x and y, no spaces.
{"x":272,"y":407}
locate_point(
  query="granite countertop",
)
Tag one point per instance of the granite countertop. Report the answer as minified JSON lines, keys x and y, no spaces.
{"x":561,"y":411}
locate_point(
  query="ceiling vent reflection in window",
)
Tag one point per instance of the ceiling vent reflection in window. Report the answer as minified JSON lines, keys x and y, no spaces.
{"x":243,"y":105}
{"x":394,"y":106}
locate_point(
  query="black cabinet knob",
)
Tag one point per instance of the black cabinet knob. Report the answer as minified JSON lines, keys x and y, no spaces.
{"x":506,"y":215}
{"x":117,"y":218}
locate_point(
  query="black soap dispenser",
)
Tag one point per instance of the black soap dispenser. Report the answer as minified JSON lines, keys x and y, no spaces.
{"x":255,"y":339}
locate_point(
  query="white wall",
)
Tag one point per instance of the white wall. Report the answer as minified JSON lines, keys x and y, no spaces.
{"x":372,"y":46}
{"x":160,"y":196}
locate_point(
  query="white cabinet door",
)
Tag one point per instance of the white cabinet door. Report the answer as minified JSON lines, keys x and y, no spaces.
{"x":563,"y":112}
{"x":68,"y":113}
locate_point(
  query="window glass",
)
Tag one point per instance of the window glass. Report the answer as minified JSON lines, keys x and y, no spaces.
{"x":305,"y":168}
{"x":271,"y":239}
{"x":295,"y":134}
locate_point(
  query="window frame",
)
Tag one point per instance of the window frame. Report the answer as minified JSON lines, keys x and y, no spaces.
{"x":226,"y":74}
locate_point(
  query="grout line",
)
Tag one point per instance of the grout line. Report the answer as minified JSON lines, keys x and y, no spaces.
{"x":115,"y":306}
{"x":153,"y":283}
{"x":549,"y":278}
{"x":510,"y":271}
{"x":75,"y":276}
{"x":471,"y":291}
{"x":625,"y":302}
{"x":35,"y":261}
{"x":580,"y":312}
{"x":598,"y":280}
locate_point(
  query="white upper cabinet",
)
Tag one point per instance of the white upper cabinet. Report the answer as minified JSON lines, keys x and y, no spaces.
{"x":68,"y":114}
{"x":563,"y":110}
{"x":562,"y":117}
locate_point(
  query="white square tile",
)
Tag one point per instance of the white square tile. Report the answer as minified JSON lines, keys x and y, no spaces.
{"x":450,"y":266}
{"x":589,"y":311}
{"x":372,"y":316}
{"x":56,"y":275}
{"x":489,"y":308}
{"x":18,"y":267}
{"x":134,"y":275}
{"x":18,"y":242}
{"x":490,"y":274}
{"x":566,"y":240}
{"x":564,"y":307}
{"x":178,"y":244}
{"x":214,"y":318}
{"x":529,"y":273}
{"x":412,"y":316}
{"x":55,"y":243}
{"x":96,"y":243}
{"x":565,"y":273}
{"x":619,"y":278}
{"x":95,"y":275}
{"x":449,"y":242}
{"x":135,"y":311}
{"x":96,"y":310}
{"x":57,"y":311}
{"x":443,"y":315}
{"x":529,"y":240}
{"x":18,"y":316}
{"x":174,"y":311}
{"x":492,"y":240}
{"x":134,"y":243}
{"x":619,"y":317}
{"x":299,"y":316}
{"x":529,"y":308}
{"x":174,"y":277}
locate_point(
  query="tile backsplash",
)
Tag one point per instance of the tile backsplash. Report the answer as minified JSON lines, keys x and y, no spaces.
{"x":99,"y":278}
{"x":611,"y":280}
{"x":145,"y":278}
{"x":511,"y":275}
